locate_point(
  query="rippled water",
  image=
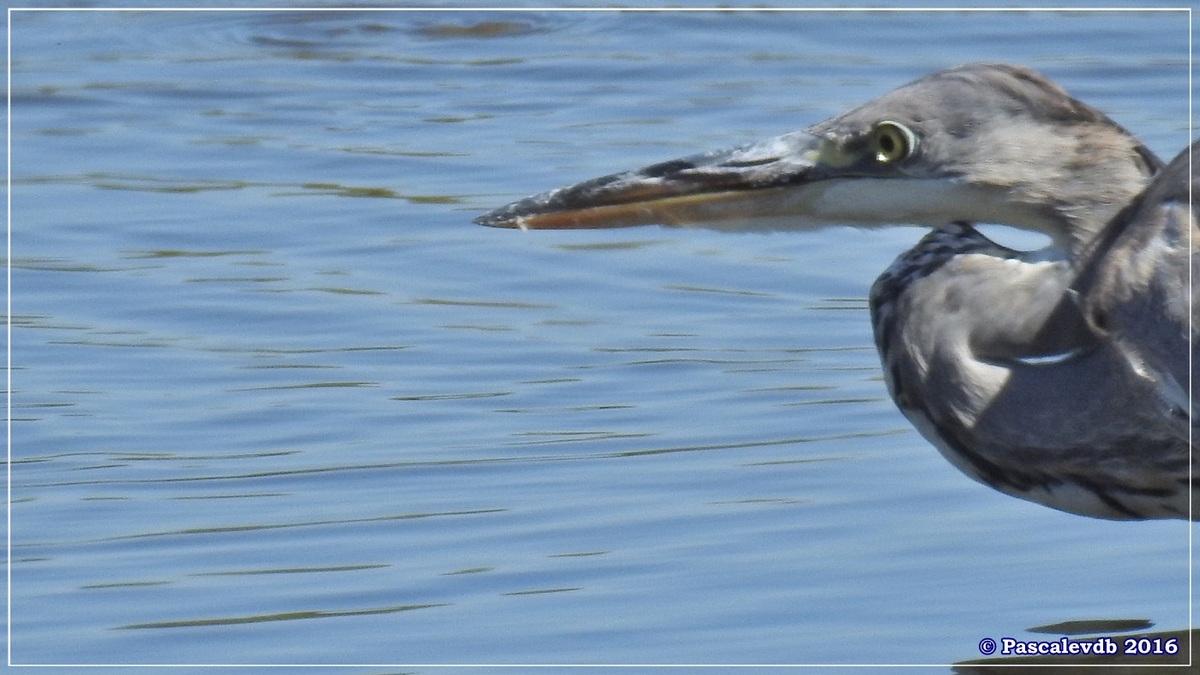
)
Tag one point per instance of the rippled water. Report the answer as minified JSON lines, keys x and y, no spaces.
{"x":277,"y":401}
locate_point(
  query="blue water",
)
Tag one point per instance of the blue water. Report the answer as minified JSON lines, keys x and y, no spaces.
{"x":276,"y":400}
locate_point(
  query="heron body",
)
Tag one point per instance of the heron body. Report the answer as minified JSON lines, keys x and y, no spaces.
{"x":1138,"y":288}
{"x":997,"y":356}
{"x":1029,"y":400}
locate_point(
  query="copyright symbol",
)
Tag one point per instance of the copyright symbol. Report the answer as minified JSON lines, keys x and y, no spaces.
{"x":987,"y":646}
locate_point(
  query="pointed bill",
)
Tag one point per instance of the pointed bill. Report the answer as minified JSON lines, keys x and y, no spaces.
{"x":748,"y":182}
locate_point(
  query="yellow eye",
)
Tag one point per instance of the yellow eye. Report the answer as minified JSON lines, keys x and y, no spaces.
{"x":893,"y":142}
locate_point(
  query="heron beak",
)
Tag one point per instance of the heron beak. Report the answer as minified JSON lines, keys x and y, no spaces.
{"x":721,"y":190}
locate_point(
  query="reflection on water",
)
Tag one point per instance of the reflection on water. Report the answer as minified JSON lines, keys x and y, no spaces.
{"x":277,"y":400}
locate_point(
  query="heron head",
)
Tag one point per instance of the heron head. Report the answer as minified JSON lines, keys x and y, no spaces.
{"x":977,"y":143}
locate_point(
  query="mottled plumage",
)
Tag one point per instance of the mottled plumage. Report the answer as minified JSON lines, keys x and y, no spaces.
{"x":1029,"y":400}
{"x":1138,"y":283}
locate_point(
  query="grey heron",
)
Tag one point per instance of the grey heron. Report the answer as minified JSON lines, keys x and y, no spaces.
{"x":988,"y":351}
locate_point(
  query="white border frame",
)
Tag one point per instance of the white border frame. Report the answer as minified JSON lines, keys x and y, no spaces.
{"x":8,"y":315}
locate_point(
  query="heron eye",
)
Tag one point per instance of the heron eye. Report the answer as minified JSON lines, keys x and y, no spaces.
{"x":893,"y":142}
